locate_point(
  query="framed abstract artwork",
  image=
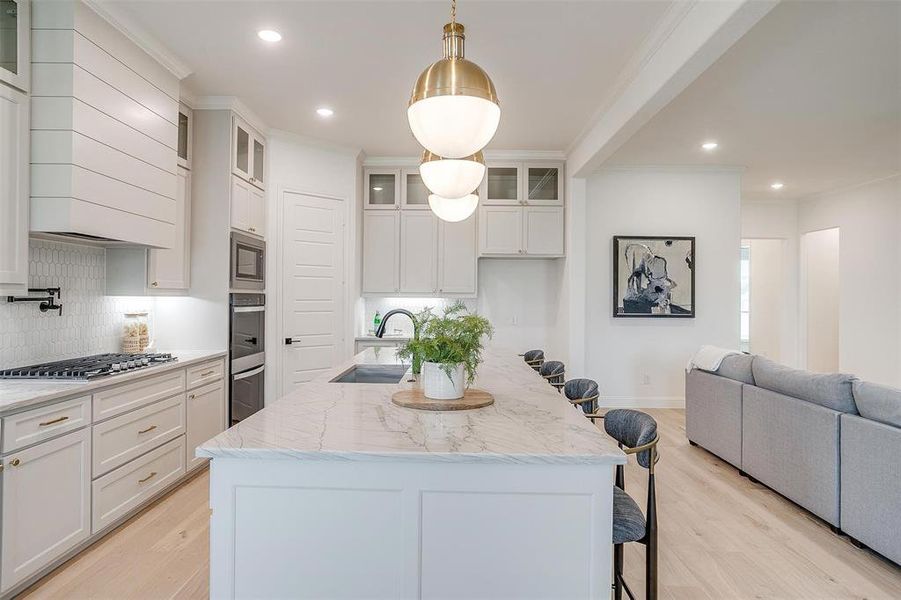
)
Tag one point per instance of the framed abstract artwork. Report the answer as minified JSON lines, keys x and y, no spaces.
{"x":653,"y":276}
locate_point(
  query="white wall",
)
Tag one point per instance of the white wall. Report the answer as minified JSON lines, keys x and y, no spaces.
{"x":768,"y":294}
{"x":622,"y":353}
{"x":820,"y":284}
{"x":303,"y":165}
{"x":869,"y":219}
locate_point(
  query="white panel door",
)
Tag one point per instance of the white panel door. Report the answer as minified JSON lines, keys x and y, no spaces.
{"x":170,"y":269}
{"x":543,"y":230}
{"x":313,"y":287}
{"x":46,"y":504}
{"x":205,"y":409}
{"x":457,"y":257}
{"x":500,"y":230}
{"x":418,"y":252}
{"x":381,"y":250}
{"x":14,"y":185}
{"x":240,"y":217}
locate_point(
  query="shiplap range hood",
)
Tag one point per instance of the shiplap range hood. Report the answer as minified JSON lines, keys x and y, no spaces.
{"x":104,"y":132}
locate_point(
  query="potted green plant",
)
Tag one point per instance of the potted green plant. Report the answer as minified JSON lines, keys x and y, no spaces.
{"x":450,"y":349}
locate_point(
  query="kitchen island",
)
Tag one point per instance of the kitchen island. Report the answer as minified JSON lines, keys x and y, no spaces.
{"x":333,"y":491}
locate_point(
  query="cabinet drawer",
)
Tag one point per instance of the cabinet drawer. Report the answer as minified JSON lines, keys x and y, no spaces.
{"x":129,"y":486}
{"x":128,"y":436}
{"x":43,"y":423}
{"x":118,"y":400}
{"x":207,"y":372}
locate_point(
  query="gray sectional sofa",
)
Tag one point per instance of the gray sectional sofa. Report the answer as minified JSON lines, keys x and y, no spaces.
{"x":829,"y":442}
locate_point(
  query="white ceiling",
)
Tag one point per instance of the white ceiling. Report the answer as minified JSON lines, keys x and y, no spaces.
{"x":811,"y":96}
{"x":553,"y":63}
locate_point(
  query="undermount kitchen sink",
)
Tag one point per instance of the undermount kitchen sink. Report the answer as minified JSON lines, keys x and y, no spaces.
{"x":372,"y":374}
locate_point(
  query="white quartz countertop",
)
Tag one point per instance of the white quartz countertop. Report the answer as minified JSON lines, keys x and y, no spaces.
{"x":528,"y":423}
{"x":16,"y":394}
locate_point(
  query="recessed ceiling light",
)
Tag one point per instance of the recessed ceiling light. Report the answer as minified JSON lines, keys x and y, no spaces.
{"x":324,"y":112}
{"x":778,"y":185}
{"x":709,"y":146}
{"x":377,"y":189}
{"x":269,"y":35}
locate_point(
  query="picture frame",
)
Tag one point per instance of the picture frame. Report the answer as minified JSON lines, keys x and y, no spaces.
{"x":654,"y":276}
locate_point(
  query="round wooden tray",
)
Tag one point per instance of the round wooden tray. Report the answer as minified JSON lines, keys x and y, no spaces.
{"x":414,"y":398}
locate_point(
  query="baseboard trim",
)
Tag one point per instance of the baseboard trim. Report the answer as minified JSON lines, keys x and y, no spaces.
{"x":642,"y":401}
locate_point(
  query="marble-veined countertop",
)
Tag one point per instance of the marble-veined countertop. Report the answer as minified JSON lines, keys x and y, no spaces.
{"x":528,"y":423}
{"x":16,"y":394}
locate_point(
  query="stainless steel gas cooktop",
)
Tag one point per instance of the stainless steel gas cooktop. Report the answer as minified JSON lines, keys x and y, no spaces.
{"x":87,"y":367}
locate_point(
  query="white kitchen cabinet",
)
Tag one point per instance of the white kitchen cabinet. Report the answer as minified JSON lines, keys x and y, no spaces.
{"x":248,"y":207}
{"x":500,"y":230}
{"x":381,"y":247}
{"x":542,"y":183}
{"x":414,"y":193}
{"x":46,"y":504}
{"x":170,"y":269}
{"x":185,"y":135}
{"x":14,"y":190}
{"x":521,"y":231}
{"x":381,"y":189}
{"x":457,"y":257}
{"x":525,"y":183}
{"x":502,"y":184}
{"x":205,"y":418}
{"x":248,"y":153}
{"x":543,"y":231}
{"x":418,"y":252}
{"x":15,"y":43}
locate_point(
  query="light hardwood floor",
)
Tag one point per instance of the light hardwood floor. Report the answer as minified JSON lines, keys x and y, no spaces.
{"x":721,"y":536}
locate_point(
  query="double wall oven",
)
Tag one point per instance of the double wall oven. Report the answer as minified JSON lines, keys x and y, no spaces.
{"x":247,"y":326}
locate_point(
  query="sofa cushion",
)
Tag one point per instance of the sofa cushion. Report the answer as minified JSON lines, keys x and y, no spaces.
{"x":832,"y":390}
{"x":737,"y":367}
{"x":878,"y":402}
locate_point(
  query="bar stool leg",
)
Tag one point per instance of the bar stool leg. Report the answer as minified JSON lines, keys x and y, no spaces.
{"x":618,"y":572}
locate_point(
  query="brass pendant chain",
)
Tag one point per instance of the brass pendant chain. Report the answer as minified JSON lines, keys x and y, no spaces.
{"x":454,"y":12}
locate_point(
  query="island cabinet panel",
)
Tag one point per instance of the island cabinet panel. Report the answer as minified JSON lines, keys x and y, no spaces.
{"x":46,"y":504}
{"x":446,"y":528}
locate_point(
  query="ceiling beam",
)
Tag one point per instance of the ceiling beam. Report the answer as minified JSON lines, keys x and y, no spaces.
{"x":692,"y":36}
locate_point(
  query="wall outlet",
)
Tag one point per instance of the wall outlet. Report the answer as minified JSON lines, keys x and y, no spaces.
{"x":645,"y":379}
{"x":514,"y":320}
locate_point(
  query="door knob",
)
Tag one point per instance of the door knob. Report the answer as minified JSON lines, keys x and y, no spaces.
{"x":251,"y":340}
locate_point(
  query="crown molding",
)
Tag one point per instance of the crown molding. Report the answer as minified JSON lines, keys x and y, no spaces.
{"x":137,"y":34}
{"x":490,"y":155}
{"x":675,"y":168}
{"x":233,"y":104}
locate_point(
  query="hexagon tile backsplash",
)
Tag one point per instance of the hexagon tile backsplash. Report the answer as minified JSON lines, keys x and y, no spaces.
{"x":91,"y":322}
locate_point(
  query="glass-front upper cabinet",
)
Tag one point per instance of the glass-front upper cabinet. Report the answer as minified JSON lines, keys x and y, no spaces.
{"x":248,"y":154}
{"x":15,"y":43}
{"x":502,"y":184}
{"x":381,"y":189}
{"x":543,"y":183}
{"x":415,"y":194}
{"x":185,"y":135}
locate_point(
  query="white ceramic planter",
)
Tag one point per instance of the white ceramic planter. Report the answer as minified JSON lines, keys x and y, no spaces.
{"x":438,"y":386}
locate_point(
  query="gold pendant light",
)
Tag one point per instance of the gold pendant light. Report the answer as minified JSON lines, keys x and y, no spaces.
{"x":452,"y":177}
{"x":453,"y":110}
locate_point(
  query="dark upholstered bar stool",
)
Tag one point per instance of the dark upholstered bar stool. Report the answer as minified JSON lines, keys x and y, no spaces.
{"x":534,"y":358}
{"x":636,"y":433}
{"x":582,"y":393}
{"x":554,"y":372}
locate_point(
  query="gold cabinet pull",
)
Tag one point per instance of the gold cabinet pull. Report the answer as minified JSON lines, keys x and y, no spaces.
{"x":191,"y":397}
{"x":208,"y":373}
{"x":148,"y":478}
{"x":15,"y":462}
{"x":155,"y":284}
{"x":54,"y":421}
{"x":151,"y":428}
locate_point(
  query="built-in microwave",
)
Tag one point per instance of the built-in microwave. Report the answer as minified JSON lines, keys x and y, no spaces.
{"x":248,"y":263}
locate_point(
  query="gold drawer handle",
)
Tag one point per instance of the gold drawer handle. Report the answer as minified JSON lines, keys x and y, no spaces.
{"x":208,"y":373}
{"x":15,"y":462}
{"x":151,"y":428}
{"x":59,"y":420}
{"x":191,"y":397}
{"x":148,"y":478}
